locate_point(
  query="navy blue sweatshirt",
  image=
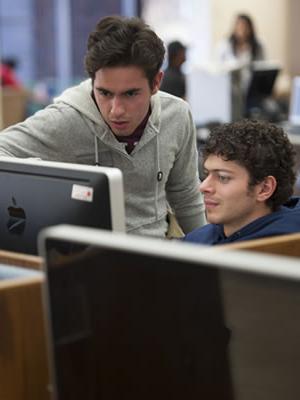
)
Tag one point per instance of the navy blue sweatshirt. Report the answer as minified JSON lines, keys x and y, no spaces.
{"x":285,"y":220}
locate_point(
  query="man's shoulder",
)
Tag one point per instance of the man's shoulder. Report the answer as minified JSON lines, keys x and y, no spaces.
{"x":81,"y":91}
{"x":284,"y":221}
{"x":169,"y":102}
{"x":171,"y":115}
{"x":80,"y":99}
{"x":288,"y":217}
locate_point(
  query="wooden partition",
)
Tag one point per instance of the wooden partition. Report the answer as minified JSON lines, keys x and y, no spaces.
{"x":24,"y":371}
{"x":287,"y":245}
{"x":21,"y":260}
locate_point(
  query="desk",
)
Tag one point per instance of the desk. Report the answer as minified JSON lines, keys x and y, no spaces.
{"x":23,"y":356}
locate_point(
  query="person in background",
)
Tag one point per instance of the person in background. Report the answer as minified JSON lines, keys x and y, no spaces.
{"x":8,"y":77}
{"x":242,"y":46}
{"x":174,"y":79}
{"x":248,"y":184}
{"x":119,"y":118}
{"x":240,"y":50}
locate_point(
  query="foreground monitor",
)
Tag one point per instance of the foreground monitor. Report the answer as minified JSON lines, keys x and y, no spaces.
{"x":136,"y":318}
{"x":36,"y":194}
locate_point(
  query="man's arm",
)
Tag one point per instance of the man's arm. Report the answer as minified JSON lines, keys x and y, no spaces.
{"x":46,"y":135}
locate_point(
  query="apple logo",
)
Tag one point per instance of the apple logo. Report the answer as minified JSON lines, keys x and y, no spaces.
{"x":17,"y":218}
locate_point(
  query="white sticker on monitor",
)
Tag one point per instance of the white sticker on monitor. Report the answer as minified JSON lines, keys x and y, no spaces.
{"x":83,"y":193}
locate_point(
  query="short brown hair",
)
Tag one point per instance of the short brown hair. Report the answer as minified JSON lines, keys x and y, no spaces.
{"x":118,"y":41}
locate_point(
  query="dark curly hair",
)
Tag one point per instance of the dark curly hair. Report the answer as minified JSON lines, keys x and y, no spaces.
{"x":262,"y":148}
{"x":120,"y":41}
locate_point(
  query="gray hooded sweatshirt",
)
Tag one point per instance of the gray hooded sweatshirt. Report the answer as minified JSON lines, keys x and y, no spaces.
{"x":162,"y":167}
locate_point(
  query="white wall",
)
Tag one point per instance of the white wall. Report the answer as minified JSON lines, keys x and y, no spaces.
{"x":186,"y":20}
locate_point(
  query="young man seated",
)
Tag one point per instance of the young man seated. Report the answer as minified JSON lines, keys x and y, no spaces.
{"x":248,"y":184}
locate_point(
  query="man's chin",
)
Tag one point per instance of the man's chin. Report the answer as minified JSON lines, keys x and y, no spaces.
{"x":120,"y":133}
{"x":212,"y":219}
{"x":123,"y":130}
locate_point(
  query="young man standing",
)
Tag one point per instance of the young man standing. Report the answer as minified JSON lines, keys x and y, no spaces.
{"x":249,"y":179}
{"x":118,"y":118}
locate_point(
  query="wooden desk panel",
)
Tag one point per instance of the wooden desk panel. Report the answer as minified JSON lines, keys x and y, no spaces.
{"x":24,"y":371}
{"x":21,"y":260}
{"x":285,"y":245}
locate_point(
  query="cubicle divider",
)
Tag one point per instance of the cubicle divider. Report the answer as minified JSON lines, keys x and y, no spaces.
{"x":23,"y":356}
{"x":21,"y":260}
{"x":285,"y":245}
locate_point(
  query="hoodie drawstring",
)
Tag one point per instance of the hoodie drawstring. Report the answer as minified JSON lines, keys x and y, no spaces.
{"x":159,"y":176}
{"x":96,"y":150}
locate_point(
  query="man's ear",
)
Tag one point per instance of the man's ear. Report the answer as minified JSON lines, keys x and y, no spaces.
{"x":156,"y":82}
{"x":266,"y":188}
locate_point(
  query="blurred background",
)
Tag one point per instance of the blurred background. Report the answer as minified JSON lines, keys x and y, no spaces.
{"x":46,"y":40}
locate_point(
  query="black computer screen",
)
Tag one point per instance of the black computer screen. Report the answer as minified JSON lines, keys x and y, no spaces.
{"x":37,"y":194}
{"x":126,"y":327}
{"x":262,"y":83}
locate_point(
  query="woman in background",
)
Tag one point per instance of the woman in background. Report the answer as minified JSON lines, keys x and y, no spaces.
{"x":240,"y":50}
{"x":242,"y":46}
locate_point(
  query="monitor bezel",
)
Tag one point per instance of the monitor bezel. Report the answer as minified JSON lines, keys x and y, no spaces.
{"x":238,"y":260}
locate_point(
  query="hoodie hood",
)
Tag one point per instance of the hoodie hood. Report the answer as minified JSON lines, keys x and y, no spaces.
{"x":80,"y":98}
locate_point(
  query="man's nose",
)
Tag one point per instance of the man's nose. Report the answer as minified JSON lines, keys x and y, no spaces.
{"x":117,"y":107}
{"x":206,"y":185}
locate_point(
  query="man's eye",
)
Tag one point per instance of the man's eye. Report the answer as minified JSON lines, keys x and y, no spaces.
{"x":224,"y":179}
{"x":104,"y":93}
{"x":131,"y":93}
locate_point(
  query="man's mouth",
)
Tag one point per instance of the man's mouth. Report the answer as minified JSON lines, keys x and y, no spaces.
{"x":209,"y":204}
{"x":119,"y":124}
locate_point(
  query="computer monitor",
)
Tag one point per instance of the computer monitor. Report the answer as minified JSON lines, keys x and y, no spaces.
{"x":294,"y":109}
{"x":35,"y":194}
{"x":138,"y":318}
{"x":263,"y":77}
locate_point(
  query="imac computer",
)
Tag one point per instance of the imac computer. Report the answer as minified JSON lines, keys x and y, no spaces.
{"x":138,"y":318}
{"x":261,"y":85}
{"x":35,"y":194}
